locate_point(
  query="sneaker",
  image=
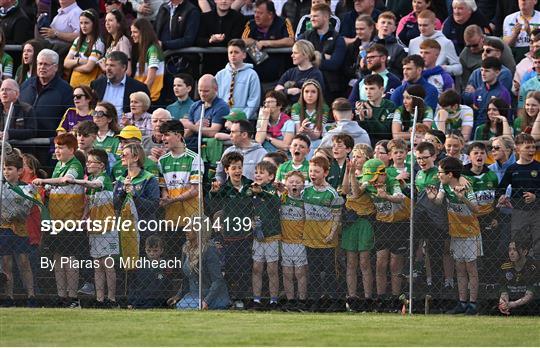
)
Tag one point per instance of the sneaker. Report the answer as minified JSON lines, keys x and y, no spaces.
{"x":352,"y":304}
{"x":257,"y":306}
{"x":8,"y":302}
{"x":31,"y":302}
{"x":99,"y":304}
{"x":273,"y":306}
{"x":460,"y":308}
{"x":472,"y":309}
{"x":73,"y":303}
{"x":321,"y":305}
{"x":290,"y":306}
{"x":111,"y":304}
{"x":87,"y":289}
{"x":61,"y":302}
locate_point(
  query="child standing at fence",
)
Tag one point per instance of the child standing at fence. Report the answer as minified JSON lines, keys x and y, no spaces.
{"x":464,"y":229}
{"x":323,"y":214}
{"x":66,"y":203}
{"x":293,"y":251}
{"x":179,"y":175}
{"x":103,"y":243}
{"x":299,"y":149}
{"x":266,"y":233}
{"x":18,"y":199}
{"x":397,"y":149}
{"x":523,"y":177}
{"x":484,"y":184}
{"x":391,"y":236}
{"x":358,"y":238}
{"x":229,"y":204}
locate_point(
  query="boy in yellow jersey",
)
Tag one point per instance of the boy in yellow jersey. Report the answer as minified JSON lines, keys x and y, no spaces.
{"x":322,"y":205}
{"x":103,"y":242}
{"x":17,"y":200}
{"x":66,"y":203}
{"x":293,"y":251}
{"x":180,"y":171}
{"x":464,"y":229}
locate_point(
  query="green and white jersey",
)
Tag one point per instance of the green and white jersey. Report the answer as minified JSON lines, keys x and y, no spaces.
{"x":100,"y":200}
{"x":464,"y":116}
{"x":109,"y":143}
{"x":483,"y":186}
{"x":321,"y":206}
{"x":426,"y":178}
{"x":289,"y":166}
{"x":178,"y":173}
{"x":6,"y":66}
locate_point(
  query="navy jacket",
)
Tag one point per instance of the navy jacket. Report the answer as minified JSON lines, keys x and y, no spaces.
{"x":23,"y":122}
{"x":132,"y":86}
{"x":432,"y":95}
{"x":49,"y":105}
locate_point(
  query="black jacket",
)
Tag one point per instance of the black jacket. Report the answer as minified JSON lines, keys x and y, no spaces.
{"x":132,"y":86}
{"x":17,"y":26}
{"x":232,"y":25}
{"x":23,"y":123}
{"x":185,"y":25}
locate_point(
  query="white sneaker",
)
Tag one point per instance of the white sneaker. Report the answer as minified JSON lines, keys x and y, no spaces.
{"x":87,"y":289}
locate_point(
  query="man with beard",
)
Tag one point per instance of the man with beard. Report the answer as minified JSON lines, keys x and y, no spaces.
{"x":375,"y":61}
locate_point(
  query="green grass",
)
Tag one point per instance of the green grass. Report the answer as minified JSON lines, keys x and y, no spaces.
{"x":62,"y":327}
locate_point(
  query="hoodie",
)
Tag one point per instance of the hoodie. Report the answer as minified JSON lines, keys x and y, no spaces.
{"x":447,"y":56}
{"x":396,"y":53}
{"x":247,"y":88}
{"x":432,"y":95}
{"x":252,"y":155}
{"x":407,"y":28}
{"x":438,"y":78}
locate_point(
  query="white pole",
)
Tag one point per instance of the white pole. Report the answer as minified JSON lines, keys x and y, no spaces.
{"x":200,"y":201}
{"x":7,"y":121}
{"x":411,"y":222}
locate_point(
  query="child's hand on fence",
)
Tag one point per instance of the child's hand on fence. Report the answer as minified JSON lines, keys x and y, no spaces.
{"x":460,"y":192}
{"x":215,"y":186}
{"x":504,"y":202}
{"x":529,"y":197}
{"x":330,"y":238}
{"x":431,"y":192}
{"x":280,"y":187}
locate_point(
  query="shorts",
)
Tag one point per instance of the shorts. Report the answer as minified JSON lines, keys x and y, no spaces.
{"x":11,"y":244}
{"x":392,"y":236}
{"x":358,"y":236}
{"x":466,"y":249}
{"x":293,"y":255}
{"x":73,"y":243}
{"x":102,"y":245}
{"x":263,"y":251}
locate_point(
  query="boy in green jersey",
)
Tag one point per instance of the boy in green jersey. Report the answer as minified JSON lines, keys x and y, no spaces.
{"x":299,"y":149}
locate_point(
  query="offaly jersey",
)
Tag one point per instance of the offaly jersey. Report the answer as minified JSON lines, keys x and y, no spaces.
{"x":176,"y":175}
{"x":484,"y":186}
{"x":100,"y":201}
{"x":67,"y":202}
{"x":13,"y":204}
{"x":462,"y":221}
{"x":386,"y":210}
{"x":292,"y":219}
{"x":288,"y":166}
{"x":322,"y":209}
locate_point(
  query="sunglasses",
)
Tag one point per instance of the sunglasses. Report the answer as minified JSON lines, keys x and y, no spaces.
{"x":99,"y":114}
{"x":488,"y":50}
{"x":79,"y":96}
{"x":495,"y":148}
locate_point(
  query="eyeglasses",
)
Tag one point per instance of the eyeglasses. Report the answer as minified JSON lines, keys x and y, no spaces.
{"x":442,"y":172}
{"x":423,"y":158}
{"x":99,"y":114}
{"x":122,"y":155}
{"x":7,"y":90}
{"x":79,"y":96}
{"x":111,"y":2}
{"x":93,"y":162}
{"x":45,"y":65}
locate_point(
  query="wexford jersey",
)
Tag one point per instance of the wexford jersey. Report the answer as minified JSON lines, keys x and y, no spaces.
{"x":322,"y":209}
{"x":176,"y":175}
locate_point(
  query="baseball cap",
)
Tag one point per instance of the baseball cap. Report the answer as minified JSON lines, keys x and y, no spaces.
{"x":236,"y":115}
{"x":130,"y":132}
{"x":372,"y":169}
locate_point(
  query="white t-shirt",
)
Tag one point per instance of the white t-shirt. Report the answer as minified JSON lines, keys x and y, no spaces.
{"x":523,"y":38}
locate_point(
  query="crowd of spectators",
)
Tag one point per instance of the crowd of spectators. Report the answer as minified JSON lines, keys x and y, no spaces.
{"x":320,"y":138}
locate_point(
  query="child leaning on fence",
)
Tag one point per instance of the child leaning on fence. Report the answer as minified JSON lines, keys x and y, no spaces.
{"x":18,"y":199}
{"x":99,"y":208}
{"x":464,"y":229}
{"x":266,"y":232}
{"x":66,"y":203}
{"x":357,"y":239}
{"x":293,"y":251}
